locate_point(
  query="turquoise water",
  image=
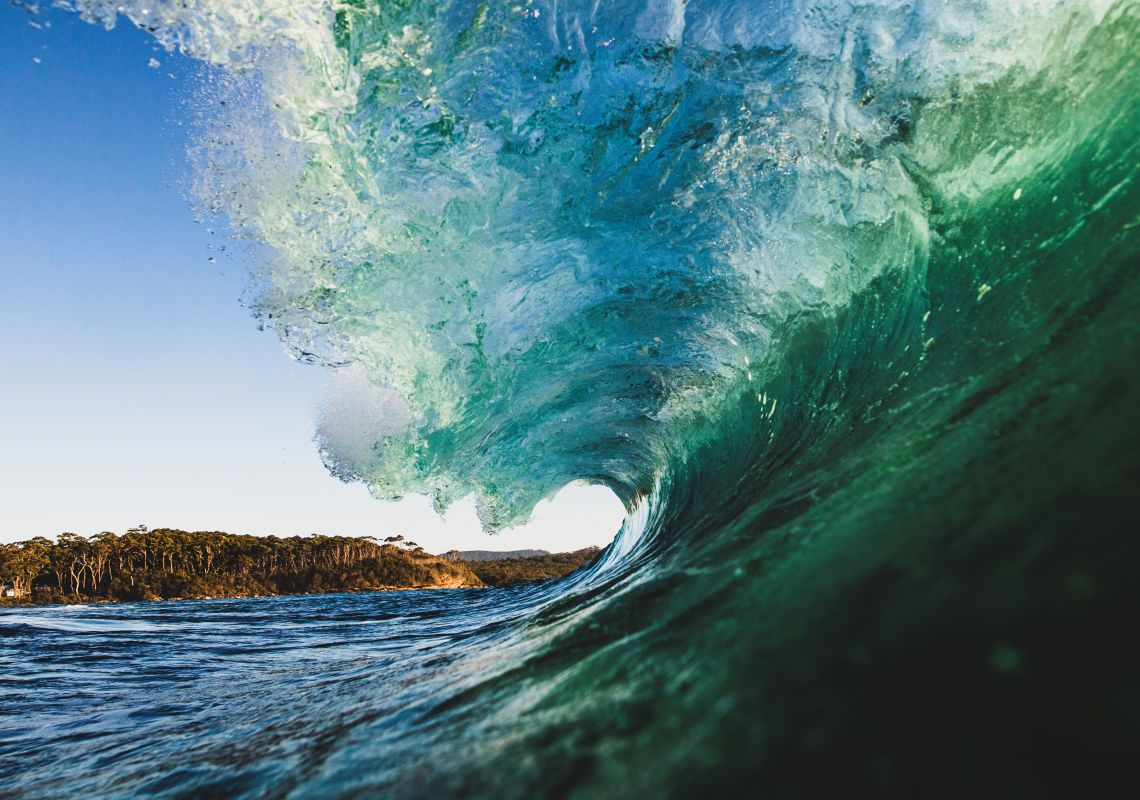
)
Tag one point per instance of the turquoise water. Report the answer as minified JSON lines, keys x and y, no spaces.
{"x":839,"y":298}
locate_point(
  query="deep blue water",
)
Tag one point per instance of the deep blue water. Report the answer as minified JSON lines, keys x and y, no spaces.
{"x":259,"y":696}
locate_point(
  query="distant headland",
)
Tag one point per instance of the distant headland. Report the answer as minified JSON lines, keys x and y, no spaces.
{"x":165,"y":564}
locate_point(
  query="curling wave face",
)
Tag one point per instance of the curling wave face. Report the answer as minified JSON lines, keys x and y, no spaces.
{"x":840,"y":299}
{"x":556,"y":236}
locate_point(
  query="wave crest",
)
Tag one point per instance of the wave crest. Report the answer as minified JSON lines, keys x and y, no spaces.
{"x":571,"y":237}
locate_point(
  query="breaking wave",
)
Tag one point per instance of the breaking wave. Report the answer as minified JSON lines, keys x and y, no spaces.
{"x":838,"y":297}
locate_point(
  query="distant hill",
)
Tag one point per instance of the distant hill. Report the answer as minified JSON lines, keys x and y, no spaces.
{"x":490,"y":555}
{"x":501,"y":571}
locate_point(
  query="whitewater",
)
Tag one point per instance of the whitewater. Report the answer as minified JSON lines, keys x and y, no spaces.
{"x":839,"y":298}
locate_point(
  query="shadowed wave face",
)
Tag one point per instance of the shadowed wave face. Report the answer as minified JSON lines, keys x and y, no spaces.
{"x":838,"y":297}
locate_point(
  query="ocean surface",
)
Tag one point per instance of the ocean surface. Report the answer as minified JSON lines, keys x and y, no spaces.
{"x":840,"y":298}
{"x":250,"y":697}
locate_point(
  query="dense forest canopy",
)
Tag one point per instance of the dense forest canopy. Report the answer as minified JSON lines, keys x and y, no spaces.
{"x":161,"y":563}
{"x":144,"y":564}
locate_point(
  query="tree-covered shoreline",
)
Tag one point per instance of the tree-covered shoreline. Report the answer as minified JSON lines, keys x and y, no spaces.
{"x":528,"y":569}
{"x":167,"y":563}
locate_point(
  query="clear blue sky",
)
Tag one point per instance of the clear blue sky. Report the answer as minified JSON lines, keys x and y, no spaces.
{"x":134,"y":387}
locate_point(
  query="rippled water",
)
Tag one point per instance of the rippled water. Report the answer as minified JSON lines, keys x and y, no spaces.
{"x":233,"y":697}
